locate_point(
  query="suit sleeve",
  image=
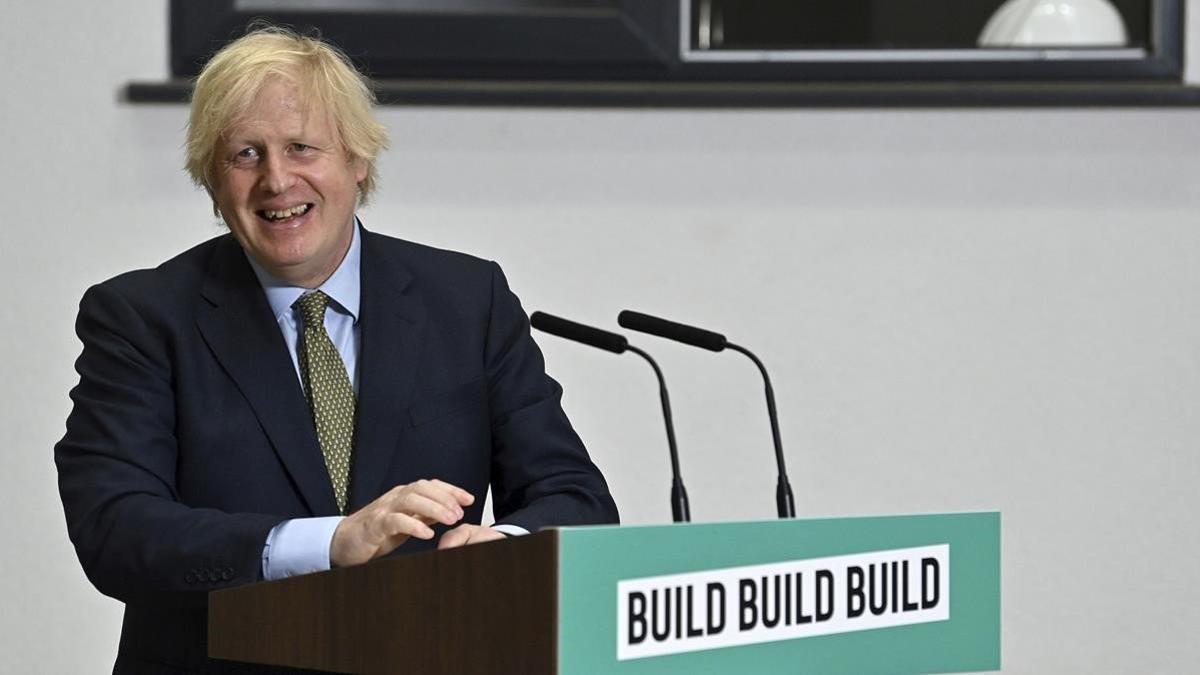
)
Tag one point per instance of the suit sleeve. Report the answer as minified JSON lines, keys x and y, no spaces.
{"x":541,"y":473}
{"x":116,"y":470}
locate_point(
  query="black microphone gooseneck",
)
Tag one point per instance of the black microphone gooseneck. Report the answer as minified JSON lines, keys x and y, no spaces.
{"x":617,"y":344}
{"x":785,"y":502}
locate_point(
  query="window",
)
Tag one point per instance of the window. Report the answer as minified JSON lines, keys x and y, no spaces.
{"x":704,"y":52}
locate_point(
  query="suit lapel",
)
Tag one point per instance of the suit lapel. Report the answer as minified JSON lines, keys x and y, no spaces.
{"x":391,"y":328}
{"x":241,"y":332}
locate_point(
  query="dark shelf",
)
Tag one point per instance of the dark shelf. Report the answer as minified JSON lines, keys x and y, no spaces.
{"x":622,"y":94}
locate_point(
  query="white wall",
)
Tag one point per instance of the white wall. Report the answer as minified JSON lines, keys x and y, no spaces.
{"x":962,"y":310}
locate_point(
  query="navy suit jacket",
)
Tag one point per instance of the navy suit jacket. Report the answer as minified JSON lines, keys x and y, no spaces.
{"x":190,"y":436}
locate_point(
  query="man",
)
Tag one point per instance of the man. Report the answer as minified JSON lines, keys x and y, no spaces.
{"x":301,"y":393}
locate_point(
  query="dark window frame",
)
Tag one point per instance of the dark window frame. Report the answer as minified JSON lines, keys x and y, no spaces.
{"x":620,"y":42}
{"x":635,"y":40}
{"x":1162,"y":61}
{"x":623,"y":53}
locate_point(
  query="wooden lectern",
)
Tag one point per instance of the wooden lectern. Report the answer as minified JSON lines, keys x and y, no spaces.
{"x":487,"y":608}
{"x":899,"y":594}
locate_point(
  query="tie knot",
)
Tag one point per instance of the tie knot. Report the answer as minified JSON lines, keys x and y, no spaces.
{"x":312,"y":308}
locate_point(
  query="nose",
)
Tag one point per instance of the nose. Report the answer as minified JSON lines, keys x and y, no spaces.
{"x":277,"y":175}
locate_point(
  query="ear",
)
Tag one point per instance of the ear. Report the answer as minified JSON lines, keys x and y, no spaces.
{"x":360,"y":168}
{"x":213,"y":197}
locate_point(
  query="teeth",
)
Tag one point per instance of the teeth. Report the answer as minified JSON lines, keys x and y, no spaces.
{"x":286,"y":213}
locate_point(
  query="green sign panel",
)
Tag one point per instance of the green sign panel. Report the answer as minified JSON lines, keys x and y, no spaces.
{"x":899,"y":594}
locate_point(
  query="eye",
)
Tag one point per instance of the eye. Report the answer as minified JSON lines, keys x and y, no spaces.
{"x":301,"y":147}
{"x":246,"y":154}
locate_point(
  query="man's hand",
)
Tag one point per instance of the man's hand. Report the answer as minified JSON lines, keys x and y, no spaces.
{"x":404,"y":511}
{"x":468,"y":534}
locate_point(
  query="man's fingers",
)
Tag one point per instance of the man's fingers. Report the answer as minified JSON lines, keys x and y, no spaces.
{"x":483,"y":534}
{"x":363,"y":537}
{"x":405,"y":511}
{"x":468,"y":534}
{"x":459,"y":536}
{"x":460,"y":495}
{"x":429,"y":509}
{"x":451,"y":497}
{"x":402,"y":526}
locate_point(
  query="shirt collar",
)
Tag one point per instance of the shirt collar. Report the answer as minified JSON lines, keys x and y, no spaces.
{"x":344,"y":286}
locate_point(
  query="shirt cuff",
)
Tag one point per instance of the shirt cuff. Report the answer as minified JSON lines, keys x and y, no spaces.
{"x":510,"y":530}
{"x":298,"y":546}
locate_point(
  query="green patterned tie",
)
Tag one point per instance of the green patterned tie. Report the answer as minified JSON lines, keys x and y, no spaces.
{"x":329,"y":393}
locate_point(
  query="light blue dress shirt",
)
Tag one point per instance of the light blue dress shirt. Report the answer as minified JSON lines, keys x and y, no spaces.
{"x":301,"y":545}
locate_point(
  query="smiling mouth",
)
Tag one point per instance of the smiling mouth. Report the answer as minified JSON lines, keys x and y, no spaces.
{"x":280,"y":215}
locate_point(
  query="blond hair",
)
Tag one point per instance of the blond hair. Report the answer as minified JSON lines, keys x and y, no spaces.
{"x":230,"y":81}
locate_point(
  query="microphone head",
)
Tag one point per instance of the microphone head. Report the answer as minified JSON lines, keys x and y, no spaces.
{"x":578,"y":332}
{"x":697,"y":337}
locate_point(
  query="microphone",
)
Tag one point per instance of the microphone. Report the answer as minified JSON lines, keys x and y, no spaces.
{"x":578,"y":332}
{"x":617,"y":344}
{"x":785,"y":502}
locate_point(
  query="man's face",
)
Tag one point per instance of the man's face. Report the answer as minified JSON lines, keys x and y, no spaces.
{"x":285,"y":187}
